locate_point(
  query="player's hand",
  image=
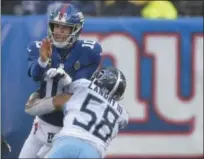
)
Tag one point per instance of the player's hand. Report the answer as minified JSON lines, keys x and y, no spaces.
{"x":52,"y":72}
{"x":45,"y":50}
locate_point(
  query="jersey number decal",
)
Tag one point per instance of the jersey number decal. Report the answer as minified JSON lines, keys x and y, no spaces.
{"x":110,"y":124}
{"x":88,"y":43}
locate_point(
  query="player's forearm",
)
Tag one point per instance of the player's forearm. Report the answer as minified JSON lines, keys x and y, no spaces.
{"x":60,"y":100}
{"x":40,"y":107}
{"x":36,"y":106}
{"x":37,"y":69}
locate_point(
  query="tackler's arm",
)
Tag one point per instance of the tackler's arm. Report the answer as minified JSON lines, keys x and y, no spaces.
{"x":36,"y":106}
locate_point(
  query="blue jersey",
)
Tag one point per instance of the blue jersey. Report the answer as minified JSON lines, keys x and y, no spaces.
{"x":79,"y":61}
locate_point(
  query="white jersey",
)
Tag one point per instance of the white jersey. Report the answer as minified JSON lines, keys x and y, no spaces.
{"x":92,"y":116}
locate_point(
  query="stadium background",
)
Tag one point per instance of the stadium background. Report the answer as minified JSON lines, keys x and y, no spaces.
{"x":161,"y":54}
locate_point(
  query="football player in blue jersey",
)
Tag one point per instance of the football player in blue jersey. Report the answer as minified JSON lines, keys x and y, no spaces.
{"x":60,"y":54}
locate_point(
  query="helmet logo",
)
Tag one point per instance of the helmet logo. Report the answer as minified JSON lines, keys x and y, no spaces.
{"x":100,"y":75}
{"x":62,"y":12}
{"x":62,"y":15}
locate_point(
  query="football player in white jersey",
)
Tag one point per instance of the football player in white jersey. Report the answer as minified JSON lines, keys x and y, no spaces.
{"x":92,"y":115}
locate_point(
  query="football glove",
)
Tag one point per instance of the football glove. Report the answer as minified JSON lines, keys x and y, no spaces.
{"x":52,"y":72}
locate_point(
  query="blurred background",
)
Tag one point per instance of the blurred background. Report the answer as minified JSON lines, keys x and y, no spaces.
{"x":103,"y":7}
{"x":165,"y":105}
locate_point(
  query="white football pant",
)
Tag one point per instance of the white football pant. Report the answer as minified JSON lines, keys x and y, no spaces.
{"x":39,"y":140}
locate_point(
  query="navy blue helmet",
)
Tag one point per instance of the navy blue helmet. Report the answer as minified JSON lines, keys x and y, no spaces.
{"x":111,"y":80}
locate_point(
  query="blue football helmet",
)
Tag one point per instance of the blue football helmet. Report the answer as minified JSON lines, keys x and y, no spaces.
{"x":67,"y":15}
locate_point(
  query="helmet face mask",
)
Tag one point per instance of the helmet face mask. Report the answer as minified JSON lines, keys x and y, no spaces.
{"x":112,"y":81}
{"x":65,"y":25}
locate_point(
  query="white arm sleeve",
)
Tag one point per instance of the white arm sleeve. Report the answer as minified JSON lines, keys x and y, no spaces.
{"x":36,"y":106}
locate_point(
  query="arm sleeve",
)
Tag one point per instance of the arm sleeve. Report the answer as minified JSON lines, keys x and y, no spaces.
{"x":40,"y":107}
{"x":36,"y":106}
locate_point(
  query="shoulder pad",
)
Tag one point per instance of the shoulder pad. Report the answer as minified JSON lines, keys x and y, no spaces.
{"x":81,"y":82}
{"x":74,"y":86}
